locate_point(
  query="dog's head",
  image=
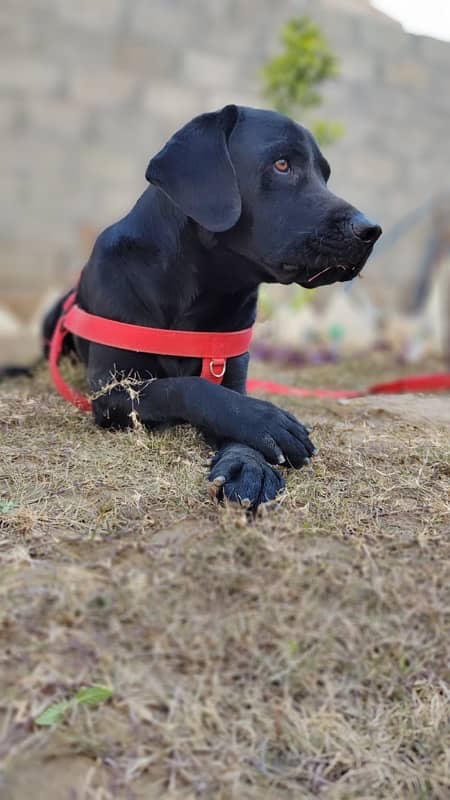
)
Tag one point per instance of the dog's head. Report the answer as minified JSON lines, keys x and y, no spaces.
{"x":258,"y":181}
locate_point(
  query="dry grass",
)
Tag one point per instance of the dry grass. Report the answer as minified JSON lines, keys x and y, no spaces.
{"x":303,"y":655}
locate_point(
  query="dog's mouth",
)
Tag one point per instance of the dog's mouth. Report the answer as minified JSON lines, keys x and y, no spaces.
{"x":333,"y":273}
{"x":323,"y":271}
{"x":334,"y":257}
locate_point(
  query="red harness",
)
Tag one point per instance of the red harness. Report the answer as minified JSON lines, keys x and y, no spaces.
{"x":212,"y":348}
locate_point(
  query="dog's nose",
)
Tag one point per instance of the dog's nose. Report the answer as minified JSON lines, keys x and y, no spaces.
{"x":365,"y":230}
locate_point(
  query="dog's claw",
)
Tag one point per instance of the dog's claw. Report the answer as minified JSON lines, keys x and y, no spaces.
{"x":215,"y":487}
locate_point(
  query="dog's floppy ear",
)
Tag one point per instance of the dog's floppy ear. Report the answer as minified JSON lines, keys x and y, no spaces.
{"x":195,"y":170}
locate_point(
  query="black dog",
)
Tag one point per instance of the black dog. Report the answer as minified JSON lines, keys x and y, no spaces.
{"x":238,"y":198}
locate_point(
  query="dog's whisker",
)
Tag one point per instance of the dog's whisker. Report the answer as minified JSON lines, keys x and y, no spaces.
{"x":317,"y":274}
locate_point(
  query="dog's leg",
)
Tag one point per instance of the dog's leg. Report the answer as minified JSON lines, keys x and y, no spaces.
{"x":240,"y":473}
{"x":222,"y":413}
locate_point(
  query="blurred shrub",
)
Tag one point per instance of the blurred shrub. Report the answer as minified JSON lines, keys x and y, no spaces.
{"x":292,"y":78}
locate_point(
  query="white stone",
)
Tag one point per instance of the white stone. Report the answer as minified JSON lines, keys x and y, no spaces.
{"x":9,"y":324}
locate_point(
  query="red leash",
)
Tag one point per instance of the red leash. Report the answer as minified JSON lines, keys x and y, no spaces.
{"x":435,"y":382}
{"x":212,"y":348}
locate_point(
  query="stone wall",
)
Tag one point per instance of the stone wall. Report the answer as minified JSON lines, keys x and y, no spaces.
{"x":90,"y":89}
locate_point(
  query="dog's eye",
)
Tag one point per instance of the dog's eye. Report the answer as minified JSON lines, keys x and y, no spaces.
{"x":282,"y":165}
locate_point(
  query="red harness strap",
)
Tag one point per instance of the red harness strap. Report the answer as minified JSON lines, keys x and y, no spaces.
{"x":212,"y":348}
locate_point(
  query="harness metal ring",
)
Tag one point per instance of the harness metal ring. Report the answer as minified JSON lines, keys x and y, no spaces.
{"x":212,"y":364}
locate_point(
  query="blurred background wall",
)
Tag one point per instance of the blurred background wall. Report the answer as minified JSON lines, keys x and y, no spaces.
{"x":90,"y":89}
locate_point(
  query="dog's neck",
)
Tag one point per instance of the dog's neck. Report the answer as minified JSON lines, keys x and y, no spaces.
{"x":215,"y":294}
{"x":198,"y":283}
{"x":203,"y":285}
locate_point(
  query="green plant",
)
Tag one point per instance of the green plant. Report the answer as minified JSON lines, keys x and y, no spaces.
{"x":86,"y":696}
{"x":6,"y":506}
{"x":292,"y":78}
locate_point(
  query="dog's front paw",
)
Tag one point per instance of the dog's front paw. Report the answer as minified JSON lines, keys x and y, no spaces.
{"x":274,"y":432}
{"x":241,"y":475}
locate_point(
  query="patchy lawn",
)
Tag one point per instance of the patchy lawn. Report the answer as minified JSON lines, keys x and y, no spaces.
{"x":305,"y":654}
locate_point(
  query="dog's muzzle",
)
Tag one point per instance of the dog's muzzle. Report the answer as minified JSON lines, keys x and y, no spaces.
{"x":336,"y":256}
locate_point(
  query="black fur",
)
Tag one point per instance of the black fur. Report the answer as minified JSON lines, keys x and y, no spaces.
{"x":217,"y":221}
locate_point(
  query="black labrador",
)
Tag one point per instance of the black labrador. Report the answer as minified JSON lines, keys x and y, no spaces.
{"x":238,"y":197}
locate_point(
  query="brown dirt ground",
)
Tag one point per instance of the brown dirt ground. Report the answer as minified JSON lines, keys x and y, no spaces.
{"x":302,"y":655}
